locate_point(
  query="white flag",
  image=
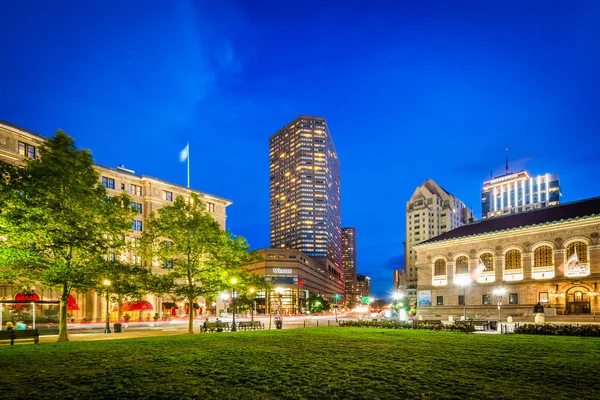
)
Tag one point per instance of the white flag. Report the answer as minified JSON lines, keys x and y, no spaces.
{"x":476,"y":273}
{"x":185,"y":153}
{"x":571,"y":262}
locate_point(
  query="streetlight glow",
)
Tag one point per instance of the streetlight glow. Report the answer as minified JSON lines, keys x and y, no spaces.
{"x":233,"y":281}
{"x":464,"y":281}
{"x":106,"y":283}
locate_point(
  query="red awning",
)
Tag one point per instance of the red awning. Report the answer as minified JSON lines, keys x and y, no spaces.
{"x":139,"y":305}
{"x":27,"y":297}
{"x":72,"y":304}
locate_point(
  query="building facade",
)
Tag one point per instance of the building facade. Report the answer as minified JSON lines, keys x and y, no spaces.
{"x":305,"y":191}
{"x":517,"y":192}
{"x":363,"y":284}
{"x":430,"y":212}
{"x":147,"y":193}
{"x":294,"y":276}
{"x":548,"y":255}
{"x":399,"y":280}
{"x":349,"y":263}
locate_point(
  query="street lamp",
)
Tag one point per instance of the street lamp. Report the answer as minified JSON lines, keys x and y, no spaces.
{"x":225,"y":297}
{"x":335,"y":299}
{"x":280,"y":291}
{"x":106,"y":285}
{"x":464,"y":282}
{"x":397,"y":296}
{"x":499,"y":293}
{"x":233,"y":282}
{"x":251,"y":290}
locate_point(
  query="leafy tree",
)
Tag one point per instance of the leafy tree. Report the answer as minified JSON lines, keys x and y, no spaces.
{"x":315,"y":303}
{"x":57,"y":222}
{"x":127,"y":280}
{"x":197,"y":257}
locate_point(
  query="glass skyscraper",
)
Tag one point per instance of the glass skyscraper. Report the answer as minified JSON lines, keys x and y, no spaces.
{"x":305,"y":192}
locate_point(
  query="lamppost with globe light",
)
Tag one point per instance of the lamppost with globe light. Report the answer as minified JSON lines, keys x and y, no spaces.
{"x":233,"y":282}
{"x":252,"y":290}
{"x":335,"y":298}
{"x":397,"y":296}
{"x":107,"y":285}
{"x":280,"y":291}
{"x":225,"y":297}
{"x":499,"y":293}
{"x":464,"y":282}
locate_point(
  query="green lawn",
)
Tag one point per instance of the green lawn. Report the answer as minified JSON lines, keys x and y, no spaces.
{"x":313,"y":363}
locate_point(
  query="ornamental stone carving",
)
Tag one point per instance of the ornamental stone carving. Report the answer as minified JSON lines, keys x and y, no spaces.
{"x":472,"y":251}
{"x":498,"y":248}
{"x":450,"y":254}
{"x":558,"y":240}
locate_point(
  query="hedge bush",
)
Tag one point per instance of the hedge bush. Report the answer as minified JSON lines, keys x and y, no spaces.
{"x":559,"y":330}
{"x":425,"y":325}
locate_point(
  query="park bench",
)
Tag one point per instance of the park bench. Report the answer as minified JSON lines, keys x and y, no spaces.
{"x":250,"y":325}
{"x":13,"y":335}
{"x":215,"y":327}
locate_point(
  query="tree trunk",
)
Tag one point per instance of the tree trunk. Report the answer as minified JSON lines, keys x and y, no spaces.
{"x":268,"y":297}
{"x":119,"y":312}
{"x":62,"y":325}
{"x":191,"y":316}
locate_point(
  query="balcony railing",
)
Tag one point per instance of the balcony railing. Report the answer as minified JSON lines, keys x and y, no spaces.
{"x":579,"y":269}
{"x":439,"y":280}
{"x":546,"y":272}
{"x":461,"y":278}
{"x":487,"y":277}
{"x":513,"y":274}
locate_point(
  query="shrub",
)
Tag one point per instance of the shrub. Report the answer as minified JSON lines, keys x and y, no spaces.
{"x":425,"y":325}
{"x":559,"y":330}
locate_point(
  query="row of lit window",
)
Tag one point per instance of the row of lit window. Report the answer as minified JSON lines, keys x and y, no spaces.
{"x":543,"y":257}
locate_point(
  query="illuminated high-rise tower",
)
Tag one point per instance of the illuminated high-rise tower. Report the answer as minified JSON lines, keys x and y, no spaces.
{"x":305,"y":192}
{"x":349,"y":262}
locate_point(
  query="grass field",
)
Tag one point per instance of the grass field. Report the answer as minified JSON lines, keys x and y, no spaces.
{"x":314,"y":363}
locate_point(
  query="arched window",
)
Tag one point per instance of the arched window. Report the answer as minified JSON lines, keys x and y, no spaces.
{"x":439,"y":267}
{"x":542,"y":257}
{"x":512,"y":260}
{"x":462,"y":265}
{"x":488,"y":261}
{"x":581,"y":249}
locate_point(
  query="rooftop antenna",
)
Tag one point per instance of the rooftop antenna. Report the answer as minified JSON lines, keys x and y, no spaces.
{"x":507,"y":161}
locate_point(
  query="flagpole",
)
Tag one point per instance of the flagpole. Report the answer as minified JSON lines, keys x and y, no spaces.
{"x":188,"y":157}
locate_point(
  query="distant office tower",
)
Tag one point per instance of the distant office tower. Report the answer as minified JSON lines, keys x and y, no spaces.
{"x":349,"y":262}
{"x":305,"y":192}
{"x":363,"y":285}
{"x":517,"y":192}
{"x":399,"y":280}
{"x":430,"y":211}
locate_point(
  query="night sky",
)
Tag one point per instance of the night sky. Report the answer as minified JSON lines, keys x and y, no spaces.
{"x":411,"y":90}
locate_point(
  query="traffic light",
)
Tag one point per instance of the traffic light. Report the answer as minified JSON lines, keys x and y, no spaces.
{"x":337,"y":296}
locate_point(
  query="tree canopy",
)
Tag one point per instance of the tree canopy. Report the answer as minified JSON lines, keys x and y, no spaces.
{"x":57,"y":223}
{"x":197,"y":258}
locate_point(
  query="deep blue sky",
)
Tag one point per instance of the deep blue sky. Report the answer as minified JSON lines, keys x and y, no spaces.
{"x":411,"y":90}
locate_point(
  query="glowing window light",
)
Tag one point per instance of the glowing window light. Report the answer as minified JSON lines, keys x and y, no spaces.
{"x":547,"y":188}
{"x":531,"y":190}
